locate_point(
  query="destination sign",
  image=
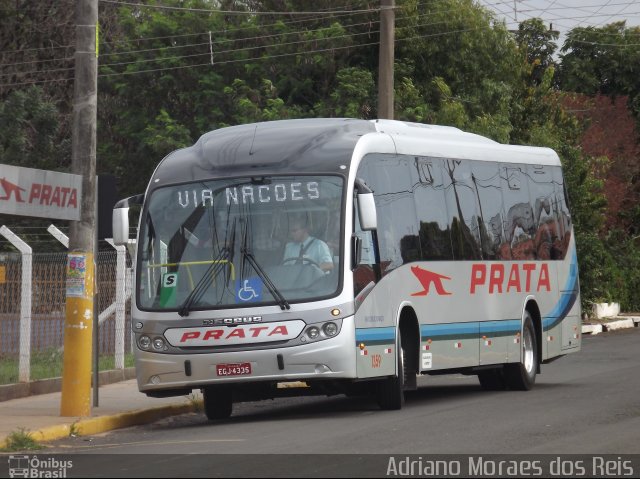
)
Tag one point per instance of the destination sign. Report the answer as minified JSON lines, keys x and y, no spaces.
{"x":252,"y":194}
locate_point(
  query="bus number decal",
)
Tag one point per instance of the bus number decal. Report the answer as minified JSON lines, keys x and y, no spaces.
{"x":376,"y":361}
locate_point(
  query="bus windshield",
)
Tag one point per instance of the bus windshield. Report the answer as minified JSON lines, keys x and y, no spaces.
{"x":240,"y":242}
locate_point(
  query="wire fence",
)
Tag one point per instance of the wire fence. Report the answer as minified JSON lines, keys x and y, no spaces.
{"x":44,"y":333}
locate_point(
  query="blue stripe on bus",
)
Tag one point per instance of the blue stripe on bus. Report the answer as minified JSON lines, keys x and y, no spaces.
{"x":506,"y":326}
{"x":376,"y":334}
{"x":474,"y":329}
{"x":459,"y":329}
{"x":568,"y":297}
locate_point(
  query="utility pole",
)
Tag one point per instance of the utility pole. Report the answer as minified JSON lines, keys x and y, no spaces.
{"x":386,"y":59}
{"x":76,"y":373}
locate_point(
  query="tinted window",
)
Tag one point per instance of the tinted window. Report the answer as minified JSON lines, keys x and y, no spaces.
{"x":519,"y":221}
{"x":486,"y":183}
{"x":462,"y":210}
{"x":561,"y":211}
{"x":389,"y":176}
{"x":542,"y":192}
{"x":431,"y":208}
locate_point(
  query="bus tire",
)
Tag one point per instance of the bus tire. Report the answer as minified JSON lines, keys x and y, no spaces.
{"x":492,"y":380}
{"x":390,"y":391}
{"x":521,"y":376}
{"x":218,"y":402}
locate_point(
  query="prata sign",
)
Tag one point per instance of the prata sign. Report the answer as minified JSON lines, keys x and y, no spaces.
{"x":41,"y":193}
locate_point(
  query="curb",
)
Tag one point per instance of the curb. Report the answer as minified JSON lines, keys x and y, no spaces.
{"x":97,"y":425}
{"x":614,"y":324}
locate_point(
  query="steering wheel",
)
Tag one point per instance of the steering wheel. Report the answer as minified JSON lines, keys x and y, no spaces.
{"x":304,"y":260}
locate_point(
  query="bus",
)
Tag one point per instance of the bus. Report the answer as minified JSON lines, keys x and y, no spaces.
{"x":442,"y":252}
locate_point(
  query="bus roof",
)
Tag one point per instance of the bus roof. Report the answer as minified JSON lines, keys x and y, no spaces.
{"x":323,"y":146}
{"x":301,"y":146}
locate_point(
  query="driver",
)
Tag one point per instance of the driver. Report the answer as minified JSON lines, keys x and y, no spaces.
{"x":304,"y":246}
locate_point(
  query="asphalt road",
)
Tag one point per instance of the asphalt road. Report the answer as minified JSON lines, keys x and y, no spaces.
{"x":584,"y":403}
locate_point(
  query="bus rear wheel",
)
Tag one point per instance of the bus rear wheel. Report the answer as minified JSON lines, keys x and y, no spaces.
{"x":390,"y":391}
{"x":522,"y":376}
{"x":218,"y":402}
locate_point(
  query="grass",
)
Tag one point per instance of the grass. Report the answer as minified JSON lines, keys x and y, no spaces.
{"x":48,"y":364}
{"x":195,"y":401}
{"x":20,"y":440}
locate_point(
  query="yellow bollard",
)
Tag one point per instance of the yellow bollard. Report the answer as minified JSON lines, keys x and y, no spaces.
{"x":78,"y":330}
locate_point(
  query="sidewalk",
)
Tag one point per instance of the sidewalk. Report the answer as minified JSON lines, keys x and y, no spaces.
{"x":623,"y":321}
{"x":120,"y":405}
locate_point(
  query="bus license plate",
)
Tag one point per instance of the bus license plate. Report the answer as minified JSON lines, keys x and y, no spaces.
{"x":235,"y":369}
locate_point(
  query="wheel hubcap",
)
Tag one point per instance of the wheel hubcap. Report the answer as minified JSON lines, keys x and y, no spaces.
{"x":527,"y":350}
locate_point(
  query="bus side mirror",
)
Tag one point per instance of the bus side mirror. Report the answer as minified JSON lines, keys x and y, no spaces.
{"x":120,"y":219}
{"x":120,"y":223}
{"x":367,"y":212}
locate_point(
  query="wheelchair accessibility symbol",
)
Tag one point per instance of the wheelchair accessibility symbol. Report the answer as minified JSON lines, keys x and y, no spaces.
{"x":248,"y":290}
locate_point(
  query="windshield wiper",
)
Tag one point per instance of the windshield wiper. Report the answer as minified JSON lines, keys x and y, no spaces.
{"x":212,"y":271}
{"x":247,"y":254}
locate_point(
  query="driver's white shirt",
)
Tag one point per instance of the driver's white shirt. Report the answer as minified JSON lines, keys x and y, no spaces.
{"x":317,"y":251}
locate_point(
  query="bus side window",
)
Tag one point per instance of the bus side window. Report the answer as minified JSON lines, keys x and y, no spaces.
{"x":462,"y":209}
{"x":562,"y":213}
{"x":431,"y":209}
{"x":520,"y":223}
{"x":486,"y":184}
{"x":541,"y":190}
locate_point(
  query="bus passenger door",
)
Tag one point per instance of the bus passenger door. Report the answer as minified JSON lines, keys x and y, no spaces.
{"x":375,"y":329}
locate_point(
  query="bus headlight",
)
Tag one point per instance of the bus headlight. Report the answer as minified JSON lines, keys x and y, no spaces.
{"x":320,"y":331}
{"x":158,"y":344}
{"x":330,"y":329}
{"x":313,"y":332}
{"x":144,"y":342}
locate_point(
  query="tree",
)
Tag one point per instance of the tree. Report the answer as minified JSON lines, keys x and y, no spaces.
{"x":602,"y":60}
{"x":31,"y":131}
{"x":538,"y":44}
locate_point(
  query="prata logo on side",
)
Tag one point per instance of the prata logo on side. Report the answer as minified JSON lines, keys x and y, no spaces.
{"x":496,"y":278}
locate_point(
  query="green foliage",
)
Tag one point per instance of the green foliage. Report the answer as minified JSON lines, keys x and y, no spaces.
{"x":603,"y":60}
{"x":20,"y":440}
{"x":30,"y":133}
{"x":352,"y":95}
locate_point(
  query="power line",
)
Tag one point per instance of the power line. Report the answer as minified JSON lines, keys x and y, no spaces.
{"x":235,"y":40}
{"x":268,"y":57}
{"x":236,"y":12}
{"x":242,"y":49}
{"x":253,"y":48}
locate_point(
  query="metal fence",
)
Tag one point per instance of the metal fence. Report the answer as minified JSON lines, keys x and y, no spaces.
{"x":32,"y":341}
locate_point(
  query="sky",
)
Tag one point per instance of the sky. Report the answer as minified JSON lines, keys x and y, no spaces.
{"x":566,"y":14}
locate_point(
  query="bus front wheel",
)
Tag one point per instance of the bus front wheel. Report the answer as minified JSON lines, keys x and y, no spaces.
{"x":218,"y":402}
{"x":522,"y":376}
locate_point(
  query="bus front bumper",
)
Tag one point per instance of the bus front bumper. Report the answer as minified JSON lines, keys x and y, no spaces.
{"x":333,"y":358}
